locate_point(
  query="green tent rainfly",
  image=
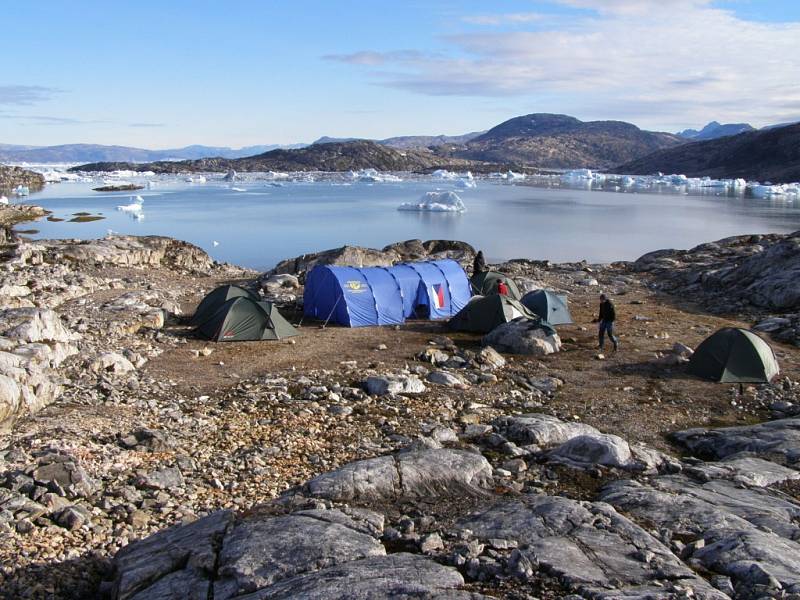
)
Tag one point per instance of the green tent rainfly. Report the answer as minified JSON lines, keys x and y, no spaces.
{"x":244,"y":319}
{"x":485,"y":283}
{"x":484,"y":313}
{"x":216,"y":298}
{"x":733,"y":355}
{"x":550,"y":306}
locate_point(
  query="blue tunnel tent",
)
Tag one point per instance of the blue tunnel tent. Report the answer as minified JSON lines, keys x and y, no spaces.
{"x":360,"y":297}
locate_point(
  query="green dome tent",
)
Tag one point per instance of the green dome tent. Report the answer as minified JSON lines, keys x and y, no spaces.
{"x":243,"y":319}
{"x":216,"y":298}
{"x":485,"y":284}
{"x":549,"y":306}
{"x":734,"y":355}
{"x":483,"y":314}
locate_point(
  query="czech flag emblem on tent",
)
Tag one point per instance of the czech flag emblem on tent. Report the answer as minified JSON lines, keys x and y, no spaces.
{"x":438,"y":295}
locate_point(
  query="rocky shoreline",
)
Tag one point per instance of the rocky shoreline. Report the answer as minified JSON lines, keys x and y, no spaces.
{"x":11,"y":177}
{"x":390,"y":462}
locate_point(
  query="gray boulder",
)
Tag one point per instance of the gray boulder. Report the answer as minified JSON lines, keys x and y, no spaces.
{"x":522,"y":336}
{"x":394,"y":384}
{"x":596,"y":449}
{"x":540,"y":429}
{"x":64,"y":474}
{"x":426,"y":473}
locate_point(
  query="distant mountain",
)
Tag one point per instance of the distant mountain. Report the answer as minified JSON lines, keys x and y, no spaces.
{"x":715,"y":130}
{"x":560,"y":141}
{"x":762,"y":155}
{"x":71,"y":153}
{"x":333,"y":156}
{"x":410,"y":141}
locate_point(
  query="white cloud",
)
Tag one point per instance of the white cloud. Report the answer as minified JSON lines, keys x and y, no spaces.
{"x":23,"y":95}
{"x":664,"y":62}
{"x":503,"y":19}
{"x":636,"y":7}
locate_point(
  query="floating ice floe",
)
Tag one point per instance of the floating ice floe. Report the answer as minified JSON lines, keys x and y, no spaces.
{"x":238,"y":189}
{"x":511,"y":176}
{"x":134,"y":208}
{"x":57,"y":176}
{"x":196,"y":179}
{"x":3,"y":201}
{"x":230,"y":175}
{"x":22,"y":190}
{"x":373,"y":176}
{"x":444,"y":174}
{"x":466,"y":183}
{"x":768,"y":190}
{"x":436,"y":202}
{"x":274,"y":175}
{"x":215,"y":243}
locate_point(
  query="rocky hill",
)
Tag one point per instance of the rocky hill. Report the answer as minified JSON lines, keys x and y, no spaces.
{"x":411,"y":141}
{"x":335,"y":156}
{"x":764,"y":155}
{"x":561,"y":141}
{"x":11,"y":177}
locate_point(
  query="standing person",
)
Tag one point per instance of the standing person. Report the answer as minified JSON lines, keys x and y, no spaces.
{"x":479,"y":264}
{"x":606,"y":319}
{"x":502,"y":288}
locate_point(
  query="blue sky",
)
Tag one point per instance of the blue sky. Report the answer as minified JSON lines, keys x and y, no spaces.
{"x":171,"y":73}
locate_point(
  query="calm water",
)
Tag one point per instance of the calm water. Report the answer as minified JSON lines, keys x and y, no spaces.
{"x":265,"y":224}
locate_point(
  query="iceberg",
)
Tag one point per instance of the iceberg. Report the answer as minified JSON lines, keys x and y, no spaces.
{"x":436,"y":202}
{"x":444,"y":174}
{"x":198,"y":179}
{"x":511,"y":176}
{"x":230,"y":175}
{"x":22,"y":190}
{"x":373,"y":176}
{"x":466,"y":183}
{"x":134,"y":207}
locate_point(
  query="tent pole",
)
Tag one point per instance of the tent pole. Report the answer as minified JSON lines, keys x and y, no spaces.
{"x":325,"y":324}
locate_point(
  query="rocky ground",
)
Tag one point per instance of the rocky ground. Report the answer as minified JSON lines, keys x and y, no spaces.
{"x":380,"y":462}
{"x":11,"y":177}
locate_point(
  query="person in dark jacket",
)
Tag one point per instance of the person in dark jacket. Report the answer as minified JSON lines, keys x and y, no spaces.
{"x":479,"y":264}
{"x":606,"y":319}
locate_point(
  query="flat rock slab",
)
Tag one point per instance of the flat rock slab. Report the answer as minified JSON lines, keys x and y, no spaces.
{"x":313,"y":554}
{"x":398,"y":576}
{"x":591,"y":547}
{"x":258,"y":552}
{"x":427,"y":473}
{"x":778,"y":441}
{"x":540,"y":429}
{"x":173,"y":561}
{"x":753,"y":525}
{"x":744,"y":469}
